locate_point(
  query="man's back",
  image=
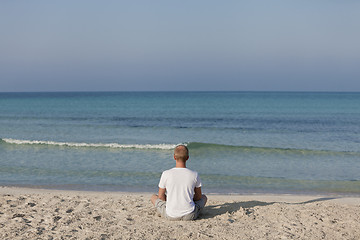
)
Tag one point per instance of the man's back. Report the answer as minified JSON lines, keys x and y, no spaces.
{"x":180,"y":184}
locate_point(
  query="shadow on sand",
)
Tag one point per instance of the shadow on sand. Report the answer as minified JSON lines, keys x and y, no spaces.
{"x":219,"y":209}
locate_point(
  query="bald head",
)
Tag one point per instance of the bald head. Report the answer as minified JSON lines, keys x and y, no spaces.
{"x":181,"y":153}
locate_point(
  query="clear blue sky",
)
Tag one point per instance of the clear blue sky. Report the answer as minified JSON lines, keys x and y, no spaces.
{"x":87,"y":45}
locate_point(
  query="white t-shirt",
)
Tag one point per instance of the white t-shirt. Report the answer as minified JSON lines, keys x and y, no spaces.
{"x":180,"y":184}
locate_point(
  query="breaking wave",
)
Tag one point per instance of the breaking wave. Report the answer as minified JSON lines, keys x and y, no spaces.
{"x":191,"y":145}
{"x":96,"y":145}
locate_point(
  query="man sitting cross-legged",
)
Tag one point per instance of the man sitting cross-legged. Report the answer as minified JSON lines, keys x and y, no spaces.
{"x":179,"y":195}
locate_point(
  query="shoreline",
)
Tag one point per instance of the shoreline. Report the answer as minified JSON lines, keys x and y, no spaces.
{"x":273,"y":197}
{"x":132,"y":190}
{"x":27,"y":213}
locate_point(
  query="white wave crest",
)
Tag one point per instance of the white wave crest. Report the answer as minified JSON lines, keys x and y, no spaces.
{"x":100,"y":145}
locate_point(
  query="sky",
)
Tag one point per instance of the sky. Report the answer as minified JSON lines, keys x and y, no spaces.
{"x":198,"y":45}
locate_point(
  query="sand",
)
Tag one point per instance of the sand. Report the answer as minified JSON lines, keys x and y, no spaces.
{"x":53,"y":214}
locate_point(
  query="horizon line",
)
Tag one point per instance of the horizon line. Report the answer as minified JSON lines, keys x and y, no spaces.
{"x":179,"y":91}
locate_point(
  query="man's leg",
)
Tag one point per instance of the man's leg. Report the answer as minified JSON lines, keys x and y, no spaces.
{"x":202,"y":201}
{"x":159,"y":204}
{"x":199,"y":205}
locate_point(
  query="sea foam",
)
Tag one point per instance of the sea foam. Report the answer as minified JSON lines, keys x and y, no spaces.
{"x":98,"y":145}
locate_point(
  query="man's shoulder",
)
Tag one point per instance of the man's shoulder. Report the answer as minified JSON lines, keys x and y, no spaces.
{"x":191,"y":170}
{"x":168,"y":170}
{"x":179,"y":169}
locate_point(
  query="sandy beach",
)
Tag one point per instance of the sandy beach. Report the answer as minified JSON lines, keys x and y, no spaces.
{"x":57,"y":214}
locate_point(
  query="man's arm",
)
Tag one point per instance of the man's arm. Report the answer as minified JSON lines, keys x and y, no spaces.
{"x":197,"y":195}
{"x":161,"y":194}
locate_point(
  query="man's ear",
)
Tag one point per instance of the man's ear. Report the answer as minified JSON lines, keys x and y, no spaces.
{"x":174,"y":157}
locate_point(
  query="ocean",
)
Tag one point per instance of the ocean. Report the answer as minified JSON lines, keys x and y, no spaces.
{"x":239,"y":142}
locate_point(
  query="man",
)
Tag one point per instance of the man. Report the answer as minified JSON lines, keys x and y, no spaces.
{"x":183,"y":199}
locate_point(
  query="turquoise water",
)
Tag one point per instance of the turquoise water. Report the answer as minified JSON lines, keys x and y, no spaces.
{"x":240,"y":142}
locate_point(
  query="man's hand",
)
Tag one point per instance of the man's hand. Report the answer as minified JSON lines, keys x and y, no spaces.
{"x":197,"y":195}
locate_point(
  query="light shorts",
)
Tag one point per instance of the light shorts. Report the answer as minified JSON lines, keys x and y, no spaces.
{"x":199,"y":205}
